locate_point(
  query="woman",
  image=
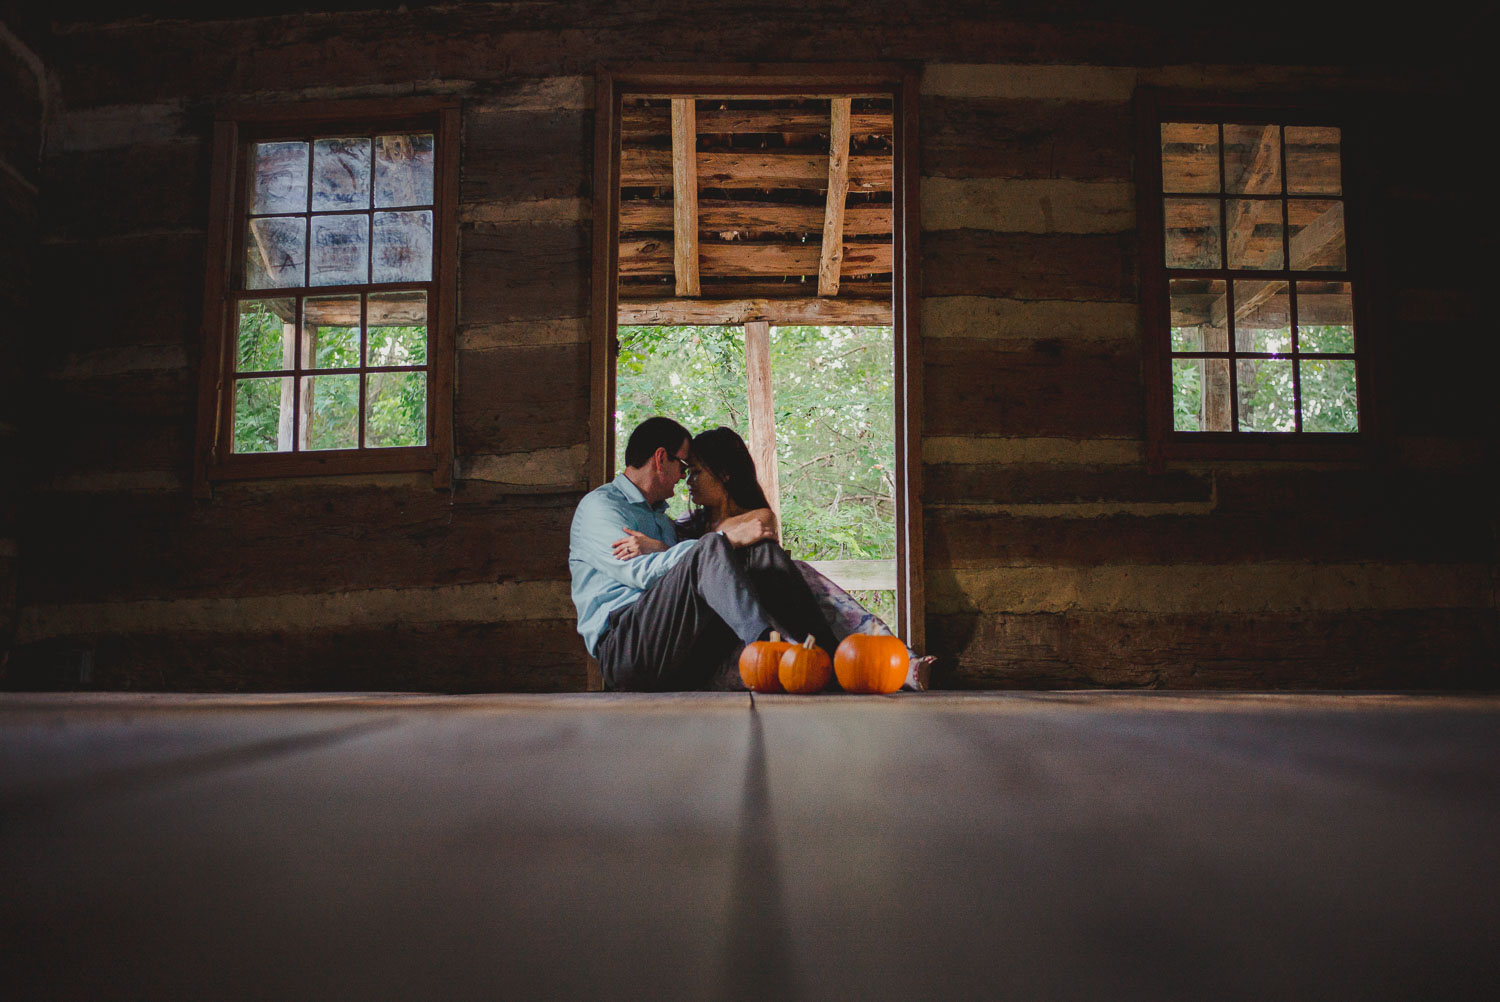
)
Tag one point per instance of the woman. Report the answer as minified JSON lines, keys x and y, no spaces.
{"x":722,"y":484}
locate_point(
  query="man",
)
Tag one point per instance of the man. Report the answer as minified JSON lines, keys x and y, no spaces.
{"x":667,"y":619}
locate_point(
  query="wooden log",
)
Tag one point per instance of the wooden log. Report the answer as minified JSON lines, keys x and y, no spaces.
{"x":1060,"y":484}
{"x":153,"y":305}
{"x":719,"y":216}
{"x":299,"y":538}
{"x":539,"y":399}
{"x":654,"y":257}
{"x":986,"y":318}
{"x":1030,"y":266}
{"x":684,"y":196}
{"x":524,"y":272}
{"x":809,"y":311}
{"x":832,"y":252}
{"x":641,"y":288}
{"x":1020,"y":138}
{"x":540,"y":656}
{"x":851,"y":575}
{"x":639,"y":124}
{"x":134,"y":189}
{"x":1056,"y":389}
{"x":1425,"y":649}
{"x":525,"y":156}
{"x":1013,"y":205}
{"x":765,"y":169}
{"x":762,"y":403}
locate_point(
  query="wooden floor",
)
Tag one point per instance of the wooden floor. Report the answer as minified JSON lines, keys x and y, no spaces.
{"x":944,"y":846}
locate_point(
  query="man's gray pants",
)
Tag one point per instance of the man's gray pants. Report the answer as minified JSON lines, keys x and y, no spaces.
{"x":686,"y":624}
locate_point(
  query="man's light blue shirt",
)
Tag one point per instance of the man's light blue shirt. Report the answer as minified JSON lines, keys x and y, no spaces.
{"x":602,"y":583}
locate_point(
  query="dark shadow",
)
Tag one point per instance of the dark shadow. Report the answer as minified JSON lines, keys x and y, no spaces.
{"x":758,"y":962}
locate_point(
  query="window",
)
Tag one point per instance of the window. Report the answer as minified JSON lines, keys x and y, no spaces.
{"x":330,"y":321}
{"x":1251,"y":294}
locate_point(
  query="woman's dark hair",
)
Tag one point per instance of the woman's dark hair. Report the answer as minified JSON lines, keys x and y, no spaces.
{"x":724,"y":453}
{"x":652,"y":434}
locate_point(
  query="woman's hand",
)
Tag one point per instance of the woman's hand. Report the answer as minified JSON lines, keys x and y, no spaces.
{"x":636,"y":544}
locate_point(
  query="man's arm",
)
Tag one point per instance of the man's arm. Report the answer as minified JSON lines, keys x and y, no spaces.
{"x":749,"y":528}
{"x":596,"y":526}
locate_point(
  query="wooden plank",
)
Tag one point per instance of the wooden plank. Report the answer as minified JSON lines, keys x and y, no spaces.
{"x":863,"y":575}
{"x":538,"y":397}
{"x":762,"y":400}
{"x":659,"y":287}
{"x":684,"y":196}
{"x":524,"y":272}
{"x":809,"y":311}
{"x":1011,"y":205}
{"x":982,"y":317}
{"x":1057,"y":389}
{"x":525,"y":156}
{"x":644,"y":168}
{"x":654,"y":257}
{"x":718,"y":216}
{"x":1019,"y":138}
{"x":832,"y":251}
{"x":1061,"y":484}
{"x":1425,"y":649}
{"x":639,"y":123}
{"x":134,"y":189}
{"x":1079,"y":267}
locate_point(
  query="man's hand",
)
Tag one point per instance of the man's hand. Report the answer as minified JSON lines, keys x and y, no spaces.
{"x":750,"y":528}
{"x":636,"y":544}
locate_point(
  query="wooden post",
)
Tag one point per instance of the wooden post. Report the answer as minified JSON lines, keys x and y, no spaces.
{"x":287,"y":414}
{"x":685,"y":195}
{"x":838,"y":186}
{"x":762,"y":410}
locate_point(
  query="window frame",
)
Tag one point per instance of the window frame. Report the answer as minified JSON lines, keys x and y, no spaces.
{"x":1164,"y":443}
{"x":235,"y":128}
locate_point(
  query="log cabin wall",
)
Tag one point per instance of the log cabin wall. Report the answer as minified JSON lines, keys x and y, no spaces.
{"x":1053,"y":557}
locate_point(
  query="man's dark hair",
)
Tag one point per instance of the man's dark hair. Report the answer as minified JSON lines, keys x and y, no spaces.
{"x":652,"y":434}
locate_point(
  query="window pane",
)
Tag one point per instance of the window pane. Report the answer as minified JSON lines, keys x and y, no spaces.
{"x":1192,"y":231}
{"x":1254,"y":233}
{"x":1317,"y":228}
{"x":1262,"y":317}
{"x":275,"y":250}
{"x":1199,"y":315}
{"x":396,"y":409}
{"x":1313,"y":160}
{"x":1325,"y":317}
{"x":341,"y":174}
{"x":1252,"y":159}
{"x":403,"y":246}
{"x":264,"y":335}
{"x":340,"y":250}
{"x":1266,"y":395}
{"x":398,"y":328}
{"x":403,"y":170}
{"x":1200,"y":394}
{"x":280,"y":183}
{"x":1329,"y":401}
{"x":330,"y":332}
{"x":330,"y":412}
{"x":263,"y":414}
{"x":1189,"y":156}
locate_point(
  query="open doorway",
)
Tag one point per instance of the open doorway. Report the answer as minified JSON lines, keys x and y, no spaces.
{"x":754,"y":267}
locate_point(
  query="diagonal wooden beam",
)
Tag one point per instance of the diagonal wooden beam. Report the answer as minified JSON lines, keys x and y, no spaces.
{"x":838,"y":189}
{"x":685,"y":195}
{"x":1258,"y":181}
{"x":1307,"y":245}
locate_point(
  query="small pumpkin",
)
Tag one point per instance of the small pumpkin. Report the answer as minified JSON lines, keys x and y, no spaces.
{"x":805,"y":668}
{"x":871,"y":663}
{"x":760,"y":662}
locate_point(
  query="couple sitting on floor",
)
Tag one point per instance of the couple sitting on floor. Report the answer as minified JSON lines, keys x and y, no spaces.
{"x":668,"y":605}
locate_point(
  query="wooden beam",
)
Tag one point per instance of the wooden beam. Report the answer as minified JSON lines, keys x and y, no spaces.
{"x":718,"y":215}
{"x":865,"y":575}
{"x":655,"y":257}
{"x":838,"y":188}
{"x":811,"y":312}
{"x":1259,"y":177}
{"x":685,"y":196}
{"x":638,"y":123}
{"x":754,"y":169}
{"x":762,"y":410}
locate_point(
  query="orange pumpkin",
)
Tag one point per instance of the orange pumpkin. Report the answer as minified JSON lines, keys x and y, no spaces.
{"x":871,"y":663}
{"x":761,"y":660}
{"x":805,"y":669}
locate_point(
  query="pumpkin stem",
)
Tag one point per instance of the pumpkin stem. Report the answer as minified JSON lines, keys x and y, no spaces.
{"x":807,"y":644}
{"x":775,"y":637}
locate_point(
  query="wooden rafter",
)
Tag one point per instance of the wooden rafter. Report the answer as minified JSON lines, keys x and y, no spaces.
{"x":1259,"y":179}
{"x":1307,"y":245}
{"x":638,"y":122}
{"x":838,"y":188}
{"x":754,"y":169}
{"x":811,"y":311}
{"x":685,"y":195}
{"x":717,"y":215}
{"x":654,"y":257}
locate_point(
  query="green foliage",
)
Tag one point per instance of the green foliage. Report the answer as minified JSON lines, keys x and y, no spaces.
{"x":1267,"y":395}
{"x":835,"y":421}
